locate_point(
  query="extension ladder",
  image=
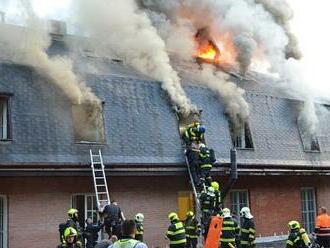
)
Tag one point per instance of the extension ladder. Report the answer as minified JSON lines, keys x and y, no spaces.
{"x":100,"y":180}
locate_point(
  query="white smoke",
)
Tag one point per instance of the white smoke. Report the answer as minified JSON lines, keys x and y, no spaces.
{"x":282,"y":14}
{"x":256,"y":27}
{"x":128,"y":31}
{"x":231,"y":95}
{"x":29,"y":47}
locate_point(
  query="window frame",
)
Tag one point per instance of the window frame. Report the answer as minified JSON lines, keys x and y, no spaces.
{"x":5,"y":221}
{"x":246,"y":126}
{"x":7,"y":97}
{"x":309,"y":224}
{"x":303,"y":143}
{"x":238,"y":217}
{"x":85,"y":142}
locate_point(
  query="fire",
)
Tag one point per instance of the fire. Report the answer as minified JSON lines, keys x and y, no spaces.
{"x":215,"y":49}
{"x":208,"y":52}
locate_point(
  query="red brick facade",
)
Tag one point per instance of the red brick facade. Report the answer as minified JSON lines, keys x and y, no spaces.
{"x":37,"y":205}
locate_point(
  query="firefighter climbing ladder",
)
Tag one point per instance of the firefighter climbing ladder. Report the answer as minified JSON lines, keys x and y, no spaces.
{"x":100,"y":181}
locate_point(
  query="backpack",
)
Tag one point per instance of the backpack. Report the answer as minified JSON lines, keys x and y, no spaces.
{"x":61,"y":229}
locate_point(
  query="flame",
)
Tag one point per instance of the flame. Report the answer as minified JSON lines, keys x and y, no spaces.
{"x":219,"y":50}
{"x":207,"y":52}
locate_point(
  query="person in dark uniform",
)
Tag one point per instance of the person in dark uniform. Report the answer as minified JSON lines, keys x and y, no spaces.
{"x":91,"y":232}
{"x":113,"y":217}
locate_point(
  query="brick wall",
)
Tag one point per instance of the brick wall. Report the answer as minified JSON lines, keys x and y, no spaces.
{"x":38,"y":205}
{"x":274,"y":201}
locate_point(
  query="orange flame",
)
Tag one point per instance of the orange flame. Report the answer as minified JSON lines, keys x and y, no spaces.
{"x":223,"y":52}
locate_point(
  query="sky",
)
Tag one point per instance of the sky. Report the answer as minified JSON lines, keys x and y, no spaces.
{"x":310,"y":24}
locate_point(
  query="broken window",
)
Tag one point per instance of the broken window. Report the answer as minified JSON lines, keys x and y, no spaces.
{"x":88,"y":123}
{"x":240,"y":134}
{"x":5,"y":133}
{"x":308,"y":139}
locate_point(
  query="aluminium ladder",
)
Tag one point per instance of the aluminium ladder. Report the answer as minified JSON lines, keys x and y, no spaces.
{"x":100,"y":180}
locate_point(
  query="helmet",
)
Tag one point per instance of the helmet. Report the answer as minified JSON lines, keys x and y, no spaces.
{"x":70,"y":231}
{"x":226,"y":212}
{"x":139,"y":217}
{"x":210,"y":189}
{"x":201,"y":129}
{"x":173,"y":216}
{"x":293,"y":224}
{"x":190,"y":214}
{"x":215,"y":185}
{"x":246,"y":213}
{"x":73,"y":213}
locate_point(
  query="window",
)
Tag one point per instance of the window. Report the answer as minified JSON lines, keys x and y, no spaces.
{"x":240,"y":134}
{"x":238,"y":199}
{"x":308,"y":208}
{"x":185,"y":203}
{"x":3,"y":222}
{"x":309,"y":141}
{"x":88,"y":123}
{"x":5,"y":133}
{"x":87,"y":207}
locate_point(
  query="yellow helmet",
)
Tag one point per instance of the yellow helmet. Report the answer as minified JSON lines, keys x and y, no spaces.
{"x":293,"y":224}
{"x":173,"y":216}
{"x":72,"y":212}
{"x":190,"y":214}
{"x":215,"y":185}
{"x":70,"y":231}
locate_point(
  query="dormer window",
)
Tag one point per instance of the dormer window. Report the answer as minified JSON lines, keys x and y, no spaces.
{"x":310,"y":141}
{"x":88,"y":123}
{"x":240,"y":134}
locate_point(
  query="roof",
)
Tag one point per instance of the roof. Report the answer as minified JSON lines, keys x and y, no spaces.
{"x":140,"y":125}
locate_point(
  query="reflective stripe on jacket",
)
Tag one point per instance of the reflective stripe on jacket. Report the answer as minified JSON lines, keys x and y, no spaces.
{"x":176,"y":233}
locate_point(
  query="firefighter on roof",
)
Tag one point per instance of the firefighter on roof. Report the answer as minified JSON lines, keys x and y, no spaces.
{"x":194,"y":133}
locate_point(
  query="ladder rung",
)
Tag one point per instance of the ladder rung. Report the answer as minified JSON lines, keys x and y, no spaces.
{"x":98,"y":178}
{"x":100,"y":185}
{"x":97,"y":162}
{"x":97,"y":169}
{"x":103,"y":200}
{"x":102,"y":193}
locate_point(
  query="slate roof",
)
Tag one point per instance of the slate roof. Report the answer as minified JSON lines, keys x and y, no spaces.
{"x":140,"y":124}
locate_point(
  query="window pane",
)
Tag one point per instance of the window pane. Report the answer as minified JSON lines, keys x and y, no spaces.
{"x":239,"y":199}
{"x":308,"y":208}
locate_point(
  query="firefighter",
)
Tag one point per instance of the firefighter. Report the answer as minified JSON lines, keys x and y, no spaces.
{"x":192,"y":154}
{"x":193,"y":230}
{"x":139,"y":226}
{"x":207,"y":200}
{"x":322,"y":228}
{"x":217,"y":193}
{"x":194,"y":133}
{"x":298,"y":237}
{"x":206,"y":160}
{"x":72,"y":221}
{"x":70,"y":239}
{"x":91,"y":232}
{"x":230,"y":230}
{"x":248,"y":230}
{"x":128,"y":234}
{"x":176,"y":233}
{"x":113,"y":217}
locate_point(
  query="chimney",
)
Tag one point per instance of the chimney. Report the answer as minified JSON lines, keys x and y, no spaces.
{"x":2,"y":17}
{"x":57,"y":29}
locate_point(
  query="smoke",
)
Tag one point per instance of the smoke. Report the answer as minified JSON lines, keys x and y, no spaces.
{"x":29,"y":48}
{"x":308,"y":119}
{"x":231,"y":95}
{"x":282,"y":14}
{"x":121,"y":25}
{"x":245,"y":46}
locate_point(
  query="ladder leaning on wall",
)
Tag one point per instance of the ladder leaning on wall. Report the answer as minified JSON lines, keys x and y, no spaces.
{"x":100,"y":180}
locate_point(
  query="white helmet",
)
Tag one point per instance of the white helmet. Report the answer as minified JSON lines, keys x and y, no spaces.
{"x":139,"y":217}
{"x":226,"y":213}
{"x":246,"y":213}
